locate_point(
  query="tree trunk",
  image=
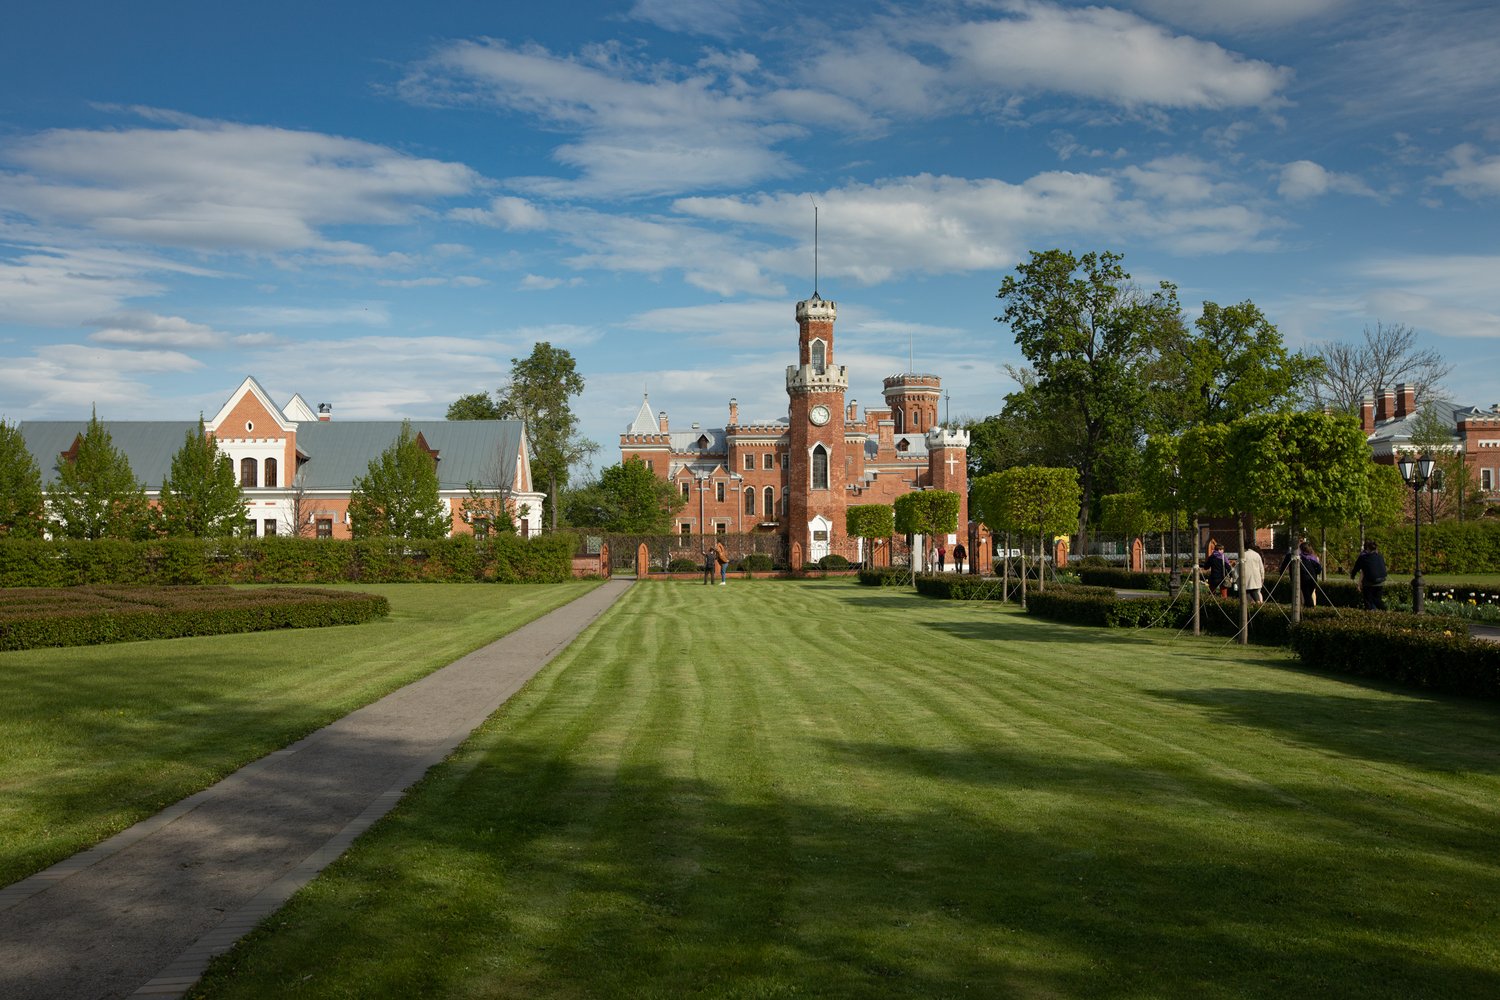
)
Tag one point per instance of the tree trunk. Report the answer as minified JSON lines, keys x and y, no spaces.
{"x":1023,"y":575}
{"x":1041,"y":564}
{"x":1244,"y":635}
{"x":1005,"y":567}
{"x":1197,"y":594}
{"x":552,"y":497}
{"x":1295,"y":565}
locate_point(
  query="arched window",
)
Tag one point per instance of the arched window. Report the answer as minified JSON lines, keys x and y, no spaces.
{"x":749,"y":499}
{"x":820,"y":468}
{"x":270,"y":472}
{"x":786,"y":500}
{"x":916,"y":419}
{"x":770,"y":507}
{"x":247,"y":472}
{"x":819,"y":357}
{"x":900,"y":421}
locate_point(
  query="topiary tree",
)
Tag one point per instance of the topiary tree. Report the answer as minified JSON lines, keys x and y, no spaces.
{"x":927,"y":513}
{"x":870,"y":522}
{"x":201,"y":498}
{"x":398,"y":496}
{"x":1303,"y":467}
{"x":1031,"y":500}
{"x":97,"y":495}
{"x":23,"y":511}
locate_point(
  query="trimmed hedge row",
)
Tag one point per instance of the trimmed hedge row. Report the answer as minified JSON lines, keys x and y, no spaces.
{"x":960,"y":587}
{"x":85,"y":616}
{"x":885,"y":576}
{"x":282,"y":559}
{"x":1123,"y":579}
{"x":1451,"y":661}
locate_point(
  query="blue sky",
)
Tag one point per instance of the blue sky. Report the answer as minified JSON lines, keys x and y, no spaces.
{"x":377,"y":205}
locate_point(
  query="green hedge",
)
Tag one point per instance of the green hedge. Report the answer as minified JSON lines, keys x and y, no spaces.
{"x":1341,"y":591}
{"x":282,"y":559}
{"x":885,"y":576}
{"x":83,"y":616}
{"x":756,"y":562}
{"x":1122,"y":579}
{"x":1375,"y":646}
{"x":1447,"y":546}
{"x":960,"y":587}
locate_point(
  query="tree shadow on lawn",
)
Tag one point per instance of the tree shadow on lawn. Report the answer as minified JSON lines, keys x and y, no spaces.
{"x":1024,"y":630}
{"x":566,"y":879}
{"x":1432,"y":732}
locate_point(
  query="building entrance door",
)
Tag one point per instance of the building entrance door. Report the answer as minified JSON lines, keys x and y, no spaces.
{"x":819,"y":531}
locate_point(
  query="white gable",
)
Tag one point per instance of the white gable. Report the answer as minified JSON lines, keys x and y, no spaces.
{"x":252,"y":388}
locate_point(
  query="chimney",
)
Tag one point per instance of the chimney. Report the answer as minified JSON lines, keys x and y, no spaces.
{"x":1406,"y":400}
{"x":734,"y":411}
{"x":1385,"y":405}
{"x":661,"y":421}
{"x":852,"y":417}
{"x":1367,"y":415}
{"x":325,"y":412}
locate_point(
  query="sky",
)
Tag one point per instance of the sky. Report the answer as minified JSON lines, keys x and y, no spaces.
{"x":379,"y":205}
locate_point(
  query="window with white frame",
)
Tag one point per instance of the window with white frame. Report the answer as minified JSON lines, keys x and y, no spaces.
{"x":819,"y":357}
{"x":270,"y":472}
{"x":1487,"y":479}
{"x":247,"y":473}
{"x":750,"y":500}
{"x":768,"y":461}
{"x":686,"y":487}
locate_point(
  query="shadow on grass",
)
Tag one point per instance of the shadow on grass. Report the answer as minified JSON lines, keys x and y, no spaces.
{"x":1450,"y":735}
{"x":521,"y":872}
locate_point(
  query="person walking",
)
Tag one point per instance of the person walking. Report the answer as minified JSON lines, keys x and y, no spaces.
{"x":1310,"y":568}
{"x":710,"y":560}
{"x":1372,"y":564}
{"x":1253,"y":574}
{"x":721,"y":555}
{"x":959,"y":555}
{"x":942,"y":555}
{"x":1217,"y":567}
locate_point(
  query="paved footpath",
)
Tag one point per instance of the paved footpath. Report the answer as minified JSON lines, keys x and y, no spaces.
{"x":143,"y":913}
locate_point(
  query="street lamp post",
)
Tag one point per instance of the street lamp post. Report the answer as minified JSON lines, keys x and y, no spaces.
{"x":1417,"y":474}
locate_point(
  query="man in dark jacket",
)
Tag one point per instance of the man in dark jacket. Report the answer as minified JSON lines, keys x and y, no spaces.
{"x":1372,"y":564}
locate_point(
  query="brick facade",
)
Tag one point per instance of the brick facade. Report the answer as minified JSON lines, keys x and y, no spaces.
{"x":822,"y":457}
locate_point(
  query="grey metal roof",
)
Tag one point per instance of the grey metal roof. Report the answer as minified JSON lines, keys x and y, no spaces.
{"x":1401,"y":430}
{"x":148,"y":444}
{"x":683,"y":441}
{"x":483,"y":451}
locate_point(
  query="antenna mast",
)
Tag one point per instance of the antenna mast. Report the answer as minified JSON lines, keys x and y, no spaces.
{"x":815,"y":243}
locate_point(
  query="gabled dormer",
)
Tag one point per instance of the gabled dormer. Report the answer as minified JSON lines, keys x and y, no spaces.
{"x":249,"y":413}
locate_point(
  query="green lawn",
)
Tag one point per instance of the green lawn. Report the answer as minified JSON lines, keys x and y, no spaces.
{"x":1490,"y":579}
{"x":816,"y":789}
{"x":98,"y":737}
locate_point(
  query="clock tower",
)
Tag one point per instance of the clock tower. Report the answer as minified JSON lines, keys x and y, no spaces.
{"x":818,"y":471}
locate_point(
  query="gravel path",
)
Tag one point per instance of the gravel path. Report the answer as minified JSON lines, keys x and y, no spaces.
{"x":143,"y":913}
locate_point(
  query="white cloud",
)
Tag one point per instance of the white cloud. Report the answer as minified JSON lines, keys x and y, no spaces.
{"x":1472,"y":173}
{"x":55,"y":286}
{"x":434,"y":281}
{"x":1305,"y":179}
{"x":220,"y":186}
{"x":353,"y":314}
{"x":703,"y":17}
{"x":1450,"y":295}
{"x":538,"y":283}
{"x":1106,"y":55}
{"x":146,"y":329}
{"x":1239,"y":15}
{"x":505,"y":212}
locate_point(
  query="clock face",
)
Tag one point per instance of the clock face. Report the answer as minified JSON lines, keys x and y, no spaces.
{"x":819,"y":415}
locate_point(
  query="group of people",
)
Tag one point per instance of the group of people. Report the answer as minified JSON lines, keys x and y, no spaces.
{"x":959,"y":555}
{"x":1250,"y":573}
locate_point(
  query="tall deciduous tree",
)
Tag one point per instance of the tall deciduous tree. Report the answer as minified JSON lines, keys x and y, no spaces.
{"x":1088,"y":336}
{"x":398,"y":496}
{"x":628,"y":498}
{"x":1387,"y":355}
{"x":1233,"y":364}
{"x":474,"y":406}
{"x":200,"y":497}
{"x":97,"y":495}
{"x":539,"y":393}
{"x":22,"y":510}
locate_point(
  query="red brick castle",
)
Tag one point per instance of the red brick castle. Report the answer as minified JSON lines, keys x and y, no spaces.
{"x":796,"y":476}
